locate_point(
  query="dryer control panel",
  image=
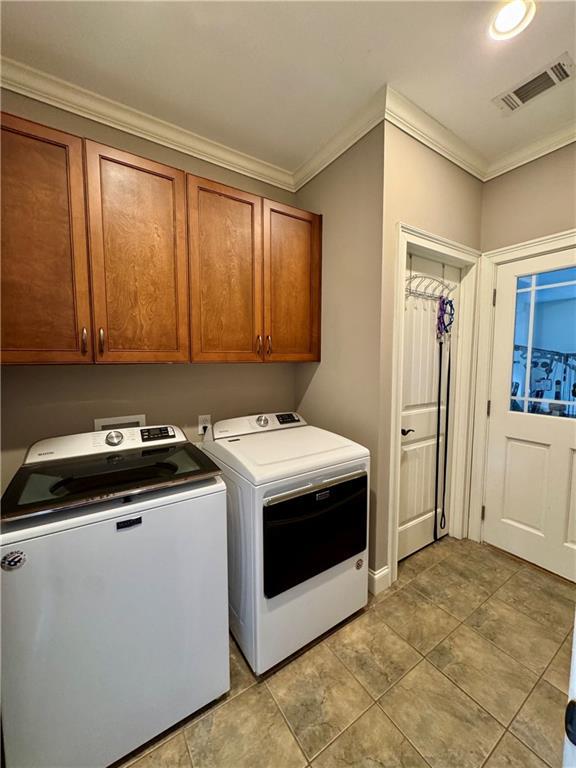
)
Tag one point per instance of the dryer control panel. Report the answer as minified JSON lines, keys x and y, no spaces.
{"x":262,"y":422}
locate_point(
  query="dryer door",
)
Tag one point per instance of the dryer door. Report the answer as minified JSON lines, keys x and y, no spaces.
{"x":310,"y":531}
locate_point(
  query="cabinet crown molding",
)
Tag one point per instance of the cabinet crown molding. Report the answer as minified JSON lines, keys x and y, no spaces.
{"x":386,"y":104}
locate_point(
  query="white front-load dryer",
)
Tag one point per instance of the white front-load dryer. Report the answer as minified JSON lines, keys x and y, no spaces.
{"x":297,"y":506}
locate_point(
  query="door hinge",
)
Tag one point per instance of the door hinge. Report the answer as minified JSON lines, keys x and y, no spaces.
{"x":483,"y":512}
{"x":494,"y":297}
{"x":488,"y":407}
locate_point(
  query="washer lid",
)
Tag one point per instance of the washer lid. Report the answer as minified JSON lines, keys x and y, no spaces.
{"x":49,"y":486}
{"x":268,"y":456}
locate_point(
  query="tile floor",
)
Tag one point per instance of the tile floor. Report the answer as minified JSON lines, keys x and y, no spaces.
{"x":463,"y":663}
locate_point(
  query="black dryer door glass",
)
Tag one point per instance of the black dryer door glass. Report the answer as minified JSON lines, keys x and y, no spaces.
{"x":309,"y":533}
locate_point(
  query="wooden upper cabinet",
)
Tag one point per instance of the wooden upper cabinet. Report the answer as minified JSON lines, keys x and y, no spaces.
{"x":138,"y":255}
{"x":225,"y":241}
{"x":45,"y":286}
{"x":292,"y":273}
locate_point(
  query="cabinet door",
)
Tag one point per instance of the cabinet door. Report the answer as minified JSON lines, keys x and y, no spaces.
{"x":292,"y":270}
{"x":225,"y":235}
{"x":45,"y":287}
{"x":138,"y":254}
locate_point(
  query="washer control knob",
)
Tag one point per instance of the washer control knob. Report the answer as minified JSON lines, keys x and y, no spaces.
{"x":262,"y":421}
{"x":114,"y":438}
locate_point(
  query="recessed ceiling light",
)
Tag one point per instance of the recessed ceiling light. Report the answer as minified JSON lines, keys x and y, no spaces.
{"x":512,"y":18}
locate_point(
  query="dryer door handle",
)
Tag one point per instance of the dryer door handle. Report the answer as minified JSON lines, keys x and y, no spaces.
{"x":311,"y":487}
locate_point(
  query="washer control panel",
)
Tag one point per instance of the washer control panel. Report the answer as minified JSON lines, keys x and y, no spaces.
{"x":91,"y":443}
{"x":115,"y":437}
{"x":288,"y":418}
{"x":157,"y":433}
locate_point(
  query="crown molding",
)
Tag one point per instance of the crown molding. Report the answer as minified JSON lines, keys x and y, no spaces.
{"x":533,"y":151}
{"x":386,"y":104}
{"x":362,"y":123}
{"x":390,"y":105}
{"x":59,"y":93}
{"x":406,"y":115}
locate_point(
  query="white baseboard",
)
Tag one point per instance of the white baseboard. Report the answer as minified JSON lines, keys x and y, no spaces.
{"x":379,"y":580}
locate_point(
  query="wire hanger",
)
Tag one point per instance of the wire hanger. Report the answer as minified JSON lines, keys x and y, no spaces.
{"x":427,"y":287}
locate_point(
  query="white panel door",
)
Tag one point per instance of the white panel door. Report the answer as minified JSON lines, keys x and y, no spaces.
{"x":419,"y":406}
{"x":531,"y":469}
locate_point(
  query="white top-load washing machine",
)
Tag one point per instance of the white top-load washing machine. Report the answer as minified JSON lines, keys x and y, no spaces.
{"x":114,"y":595}
{"x":297,"y":531}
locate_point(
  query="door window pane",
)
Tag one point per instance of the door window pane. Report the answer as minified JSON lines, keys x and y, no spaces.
{"x":544,"y":362}
{"x":557,"y":276}
{"x":525,"y":281}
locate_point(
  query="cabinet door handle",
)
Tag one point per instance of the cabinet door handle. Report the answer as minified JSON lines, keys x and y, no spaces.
{"x":269,"y":345}
{"x":84,"y":341}
{"x":101,"y":340}
{"x":406,"y":431}
{"x":258,"y":344}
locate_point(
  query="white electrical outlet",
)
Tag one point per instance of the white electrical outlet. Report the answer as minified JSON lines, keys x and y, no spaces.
{"x":204,"y":421}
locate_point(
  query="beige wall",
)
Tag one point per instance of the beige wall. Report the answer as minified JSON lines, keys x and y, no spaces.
{"x":424,"y":190}
{"x":41,"y":401}
{"x":534,"y":200}
{"x":341,"y":392}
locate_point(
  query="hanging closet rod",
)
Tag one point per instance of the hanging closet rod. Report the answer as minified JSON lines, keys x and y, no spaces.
{"x":426,"y":287}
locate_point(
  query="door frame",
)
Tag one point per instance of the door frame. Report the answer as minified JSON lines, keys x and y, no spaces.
{"x":417,"y":241}
{"x":489,"y":263}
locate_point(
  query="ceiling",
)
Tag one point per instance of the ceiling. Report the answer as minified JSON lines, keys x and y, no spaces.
{"x":277,"y":80}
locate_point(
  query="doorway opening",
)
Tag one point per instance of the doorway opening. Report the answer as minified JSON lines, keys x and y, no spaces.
{"x":429,"y":477}
{"x":429,"y":361}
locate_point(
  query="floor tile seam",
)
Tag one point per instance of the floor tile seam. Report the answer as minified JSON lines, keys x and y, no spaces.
{"x":343,"y":731}
{"x":156,"y":745}
{"x":392,"y":594}
{"x":399,"y":729}
{"x":307,"y":760}
{"x":495,"y":747}
{"x":490,"y":596}
{"x":520,"y":739}
{"x":347,"y":668}
{"x":548,"y":667}
{"x":441,"y":560}
{"x":458,"y":618}
{"x":408,"y":641}
{"x":436,"y":644}
{"x":426,"y":598}
{"x":466,"y":578}
{"x":188,"y":749}
{"x":506,"y":653}
{"x":539,"y":676}
{"x":528,"y":747}
{"x":544,"y":624}
{"x":469,"y":695}
{"x":506,"y":728}
{"x":520,"y":613}
{"x":530,"y":616}
{"x":397,"y":726}
{"x":219,"y":704}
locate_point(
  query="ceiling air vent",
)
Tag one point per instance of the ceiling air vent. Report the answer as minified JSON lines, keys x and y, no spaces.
{"x":555,"y":73}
